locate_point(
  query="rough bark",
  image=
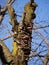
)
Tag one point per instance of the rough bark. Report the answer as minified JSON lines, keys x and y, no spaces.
{"x":24,"y":32}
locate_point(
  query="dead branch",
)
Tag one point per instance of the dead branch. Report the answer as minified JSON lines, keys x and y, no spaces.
{"x":33,"y":54}
{"x":10,"y":2}
{"x":8,"y":37}
{"x":3,"y":10}
{"x":42,"y":37}
{"x":40,"y":27}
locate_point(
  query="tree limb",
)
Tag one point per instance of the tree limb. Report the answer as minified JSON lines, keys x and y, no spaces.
{"x":5,"y":54}
{"x":3,"y":10}
{"x":40,"y":27}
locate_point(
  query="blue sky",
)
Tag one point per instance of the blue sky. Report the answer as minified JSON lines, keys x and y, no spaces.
{"x":42,"y":14}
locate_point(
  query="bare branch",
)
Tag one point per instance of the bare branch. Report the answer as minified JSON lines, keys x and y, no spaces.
{"x":39,"y":27}
{"x":10,"y":2}
{"x":33,"y":54}
{"x":3,"y":10}
{"x":42,"y":37}
{"x":8,"y":37}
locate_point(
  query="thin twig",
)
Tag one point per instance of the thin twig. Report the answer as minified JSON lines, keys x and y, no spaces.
{"x":39,"y":27}
{"x":8,"y":37}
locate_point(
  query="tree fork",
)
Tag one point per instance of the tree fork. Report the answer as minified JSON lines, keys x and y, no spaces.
{"x":24,"y":29}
